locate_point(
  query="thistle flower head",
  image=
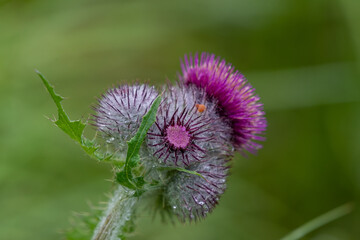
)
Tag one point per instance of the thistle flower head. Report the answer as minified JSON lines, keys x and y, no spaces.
{"x":119,"y":112}
{"x":235,"y":97}
{"x":211,"y":110}
{"x":180,"y":144}
{"x":182,"y":134}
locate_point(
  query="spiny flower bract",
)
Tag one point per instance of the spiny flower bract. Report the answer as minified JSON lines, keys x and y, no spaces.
{"x":236,"y":98}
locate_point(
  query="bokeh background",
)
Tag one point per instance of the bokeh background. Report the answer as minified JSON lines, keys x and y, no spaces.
{"x":302,"y":56}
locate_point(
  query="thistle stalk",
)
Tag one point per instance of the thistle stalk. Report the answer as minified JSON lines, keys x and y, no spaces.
{"x":118,"y":214}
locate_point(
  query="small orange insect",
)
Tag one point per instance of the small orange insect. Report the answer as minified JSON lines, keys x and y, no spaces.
{"x":200,"y":107}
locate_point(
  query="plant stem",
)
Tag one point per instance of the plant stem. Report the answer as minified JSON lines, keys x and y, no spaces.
{"x":319,"y":222}
{"x":119,"y":212}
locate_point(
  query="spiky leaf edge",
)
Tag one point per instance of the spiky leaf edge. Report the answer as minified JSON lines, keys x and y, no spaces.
{"x":74,"y":129}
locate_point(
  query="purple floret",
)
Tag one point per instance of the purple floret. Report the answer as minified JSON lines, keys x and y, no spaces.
{"x":236,"y":98}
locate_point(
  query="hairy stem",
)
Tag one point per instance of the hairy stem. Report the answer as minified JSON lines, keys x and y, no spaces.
{"x":119,"y":212}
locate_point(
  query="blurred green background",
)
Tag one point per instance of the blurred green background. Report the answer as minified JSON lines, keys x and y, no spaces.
{"x":302,"y":56}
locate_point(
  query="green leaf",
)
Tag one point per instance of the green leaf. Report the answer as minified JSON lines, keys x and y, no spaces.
{"x":134,"y":144}
{"x":125,"y":177}
{"x":74,"y":129}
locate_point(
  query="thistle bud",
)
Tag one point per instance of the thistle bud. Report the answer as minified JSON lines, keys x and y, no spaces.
{"x":192,"y":197}
{"x":120,"y":110}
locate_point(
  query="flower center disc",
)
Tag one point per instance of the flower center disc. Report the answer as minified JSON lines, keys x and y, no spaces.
{"x":178,"y":136}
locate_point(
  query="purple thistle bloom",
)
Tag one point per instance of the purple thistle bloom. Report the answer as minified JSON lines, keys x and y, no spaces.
{"x":200,"y":122}
{"x":182,"y":135}
{"x":236,"y":98}
{"x":120,"y":110}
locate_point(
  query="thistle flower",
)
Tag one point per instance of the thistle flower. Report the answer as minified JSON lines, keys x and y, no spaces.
{"x":183,"y":157}
{"x":119,"y":112}
{"x":235,"y":97}
{"x":184,"y":134}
